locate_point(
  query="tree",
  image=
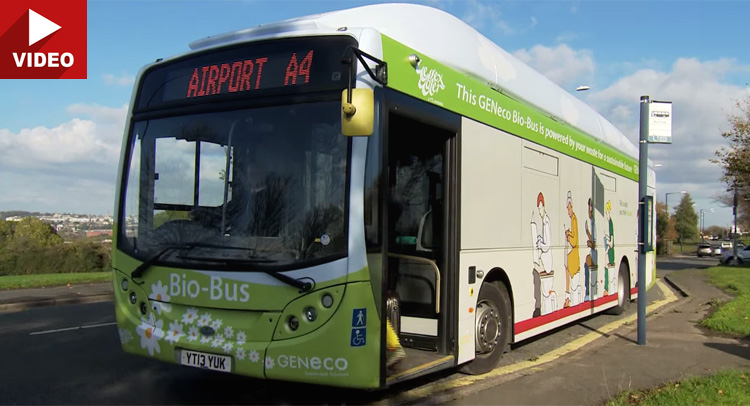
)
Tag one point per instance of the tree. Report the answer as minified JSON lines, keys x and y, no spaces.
{"x":662,"y":220}
{"x":686,"y":220}
{"x":715,"y":230}
{"x":743,"y":205}
{"x":6,"y":232}
{"x":36,"y":232}
{"x":735,"y":161}
{"x":662,"y":225}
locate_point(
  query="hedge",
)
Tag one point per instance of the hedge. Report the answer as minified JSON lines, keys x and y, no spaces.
{"x":23,"y":258}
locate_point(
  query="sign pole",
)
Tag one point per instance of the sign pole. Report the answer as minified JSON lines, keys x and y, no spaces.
{"x":642,"y":191}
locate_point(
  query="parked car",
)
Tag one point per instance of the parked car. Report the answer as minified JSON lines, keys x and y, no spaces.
{"x":704,"y":248}
{"x":742,"y":255}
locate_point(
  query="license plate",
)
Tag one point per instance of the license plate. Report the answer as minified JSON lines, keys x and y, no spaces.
{"x":207,"y":361}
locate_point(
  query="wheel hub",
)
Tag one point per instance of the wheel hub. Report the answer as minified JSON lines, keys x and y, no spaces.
{"x":487,"y":326}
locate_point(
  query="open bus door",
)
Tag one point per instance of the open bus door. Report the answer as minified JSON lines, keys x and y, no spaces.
{"x":422,"y":246}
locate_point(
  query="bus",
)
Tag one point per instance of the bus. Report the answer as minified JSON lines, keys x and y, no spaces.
{"x":290,"y":192}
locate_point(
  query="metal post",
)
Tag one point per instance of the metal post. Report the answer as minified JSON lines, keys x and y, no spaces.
{"x":734,"y":237}
{"x":642,"y":191}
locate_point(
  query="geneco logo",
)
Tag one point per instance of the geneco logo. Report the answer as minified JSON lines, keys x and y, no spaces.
{"x":430,"y":81}
{"x":43,"y":39}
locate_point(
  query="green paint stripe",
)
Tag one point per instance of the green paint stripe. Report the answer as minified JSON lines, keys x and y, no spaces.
{"x":452,"y":90}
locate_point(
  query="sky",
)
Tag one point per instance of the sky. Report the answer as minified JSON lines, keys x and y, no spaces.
{"x":60,"y":140}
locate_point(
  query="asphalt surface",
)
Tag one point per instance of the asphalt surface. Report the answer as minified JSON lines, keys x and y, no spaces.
{"x":71,"y":355}
{"x":677,"y":348}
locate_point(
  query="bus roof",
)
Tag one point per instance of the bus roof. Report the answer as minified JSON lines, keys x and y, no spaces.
{"x":453,"y":43}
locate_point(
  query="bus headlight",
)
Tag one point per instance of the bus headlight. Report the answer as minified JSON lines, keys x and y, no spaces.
{"x":293,"y":323}
{"x":311,"y":314}
{"x":133,"y":298}
{"x":144,"y":308}
{"x":327,"y":301}
{"x":124,"y":284}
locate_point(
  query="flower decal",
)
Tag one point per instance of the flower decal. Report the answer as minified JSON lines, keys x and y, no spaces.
{"x":240,"y":354}
{"x":150,"y":332}
{"x":218,"y":341}
{"x":241,"y":337}
{"x":193,"y":334}
{"x":190,"y":316}
{"x":228,"y":332}
{"x":216,"y":324}
{"x":160,"y":296}
{"x":269,"y":363}
{"x":174,"y":333}
{"x":205,"y":339}
{"x":204,"y":320}
{"x":227,"y":347}
{"x":253,"y":356}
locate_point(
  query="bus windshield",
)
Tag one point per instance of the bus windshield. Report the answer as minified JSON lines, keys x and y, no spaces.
{"x":258,"y":187}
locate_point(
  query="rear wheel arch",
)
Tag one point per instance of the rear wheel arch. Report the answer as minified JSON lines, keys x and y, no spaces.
{"x":498,"y":274}
{"x":625,"y":264}
{"x":493,"y":326}
{"x":623,"y":288}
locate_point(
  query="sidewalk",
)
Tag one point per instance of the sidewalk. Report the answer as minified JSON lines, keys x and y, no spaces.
{"x":676,"y":348}
{"x":22,"y":299}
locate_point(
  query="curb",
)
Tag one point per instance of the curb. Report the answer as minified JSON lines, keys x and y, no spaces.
{"x":675,"y":286}
{"x":21,"y":306}
{"x":445,"y":392}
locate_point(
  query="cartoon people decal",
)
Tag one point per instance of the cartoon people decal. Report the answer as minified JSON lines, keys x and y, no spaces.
{"x":589,"y":265}
{"x":578,"y":289}
{"x":609,"y":247}
{"x":573,"y":294}
{"x":544,"y":295}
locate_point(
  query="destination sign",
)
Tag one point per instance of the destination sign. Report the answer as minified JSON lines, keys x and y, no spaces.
{"x":273,"y":67}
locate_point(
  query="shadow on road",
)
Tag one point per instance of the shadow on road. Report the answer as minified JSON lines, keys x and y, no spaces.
{"x":738,"y":350}
{"x":682,"y":263}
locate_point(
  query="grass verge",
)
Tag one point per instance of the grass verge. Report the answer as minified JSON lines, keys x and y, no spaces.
{"x":38,"y":281}
{"x":732,"y":317}
{"x":725,"y":388}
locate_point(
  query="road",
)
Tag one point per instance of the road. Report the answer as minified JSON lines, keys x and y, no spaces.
{"x":679,"y":263}
{"x":71,"y":355}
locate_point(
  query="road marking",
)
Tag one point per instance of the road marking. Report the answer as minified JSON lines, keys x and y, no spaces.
{"x":453,"y":384}
{"x":60,"y":330}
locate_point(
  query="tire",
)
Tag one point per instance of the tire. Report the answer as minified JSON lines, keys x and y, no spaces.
{"x":493,"y":317}
{"x":623,"y":292}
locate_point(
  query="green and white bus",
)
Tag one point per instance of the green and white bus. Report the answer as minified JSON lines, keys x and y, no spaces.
{"x":286,"y":189}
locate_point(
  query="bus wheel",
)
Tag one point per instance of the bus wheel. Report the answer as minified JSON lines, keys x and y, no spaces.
{"x":623,"y":292}
{"x":492,"y":328}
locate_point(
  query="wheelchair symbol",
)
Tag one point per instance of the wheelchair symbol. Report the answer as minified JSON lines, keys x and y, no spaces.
{"x":358,"y":337}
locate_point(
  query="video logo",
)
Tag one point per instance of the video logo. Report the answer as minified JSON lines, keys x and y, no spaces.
{"x":43,"y":39}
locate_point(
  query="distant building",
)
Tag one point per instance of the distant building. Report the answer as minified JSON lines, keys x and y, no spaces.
{"x":96,"y":233}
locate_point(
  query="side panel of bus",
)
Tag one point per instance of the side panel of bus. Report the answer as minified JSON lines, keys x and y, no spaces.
{"x":525,"y":219}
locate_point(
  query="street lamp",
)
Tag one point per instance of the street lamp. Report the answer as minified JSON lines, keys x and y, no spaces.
{"x":583,"y":88}
{"x":673,"y":193}
{"x":702,"y":219}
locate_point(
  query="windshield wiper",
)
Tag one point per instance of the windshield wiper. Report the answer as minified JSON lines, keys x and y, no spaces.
{"x":300,"y":284}
{"x":139,"y":271}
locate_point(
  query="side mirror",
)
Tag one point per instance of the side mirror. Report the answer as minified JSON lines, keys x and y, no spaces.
{"x":357,"y":115}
